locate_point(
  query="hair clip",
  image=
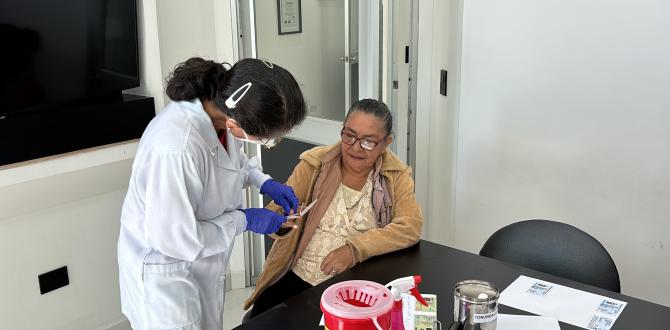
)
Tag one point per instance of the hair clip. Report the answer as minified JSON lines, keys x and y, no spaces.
{"x":267,"y":63}
{"x":231,"y":101}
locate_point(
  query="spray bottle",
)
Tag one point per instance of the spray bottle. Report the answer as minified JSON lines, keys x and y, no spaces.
{"x":398,"y":286}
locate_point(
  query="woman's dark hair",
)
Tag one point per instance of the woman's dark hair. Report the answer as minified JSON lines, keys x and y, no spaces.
{"x":273,"y":105}
{"x":375,"y":108}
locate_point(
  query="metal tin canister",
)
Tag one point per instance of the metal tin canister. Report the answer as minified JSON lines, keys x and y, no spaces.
{"x":476,"y":305}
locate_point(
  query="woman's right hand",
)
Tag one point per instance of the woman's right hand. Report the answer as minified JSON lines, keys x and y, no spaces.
{"x":263,"y":221}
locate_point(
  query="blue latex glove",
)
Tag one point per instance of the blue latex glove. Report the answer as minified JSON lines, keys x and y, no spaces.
{"x":263,"y":221}
{"x":282,"y":194}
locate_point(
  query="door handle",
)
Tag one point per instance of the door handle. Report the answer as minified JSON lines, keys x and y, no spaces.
{"x":344,"y":59}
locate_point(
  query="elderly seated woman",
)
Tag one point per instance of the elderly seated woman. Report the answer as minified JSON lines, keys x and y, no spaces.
{"x":365,"y":206}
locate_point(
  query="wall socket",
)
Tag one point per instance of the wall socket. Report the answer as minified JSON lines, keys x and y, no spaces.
{"x":443,"y":82}
{"x":53,"y":280}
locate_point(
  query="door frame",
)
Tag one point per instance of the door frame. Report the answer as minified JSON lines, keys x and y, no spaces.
{"x":439,"y":24}
{"x":244,"y":32}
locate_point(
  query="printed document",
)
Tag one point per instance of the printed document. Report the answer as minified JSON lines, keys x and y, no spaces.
{"x":579,"y":308}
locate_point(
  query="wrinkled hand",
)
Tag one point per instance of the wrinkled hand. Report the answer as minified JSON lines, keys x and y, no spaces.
{"x":282,"y":195}
{"x":337,"y":261}
{"x":263,"y":221}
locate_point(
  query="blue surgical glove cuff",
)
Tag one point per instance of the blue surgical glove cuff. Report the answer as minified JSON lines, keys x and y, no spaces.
{"x":263,"y":221}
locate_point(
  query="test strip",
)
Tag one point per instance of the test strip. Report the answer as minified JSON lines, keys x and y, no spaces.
{"x":302,"y":212}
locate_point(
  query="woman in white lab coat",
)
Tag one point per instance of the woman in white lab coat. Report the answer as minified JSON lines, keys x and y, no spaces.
{"x":183,"y":208}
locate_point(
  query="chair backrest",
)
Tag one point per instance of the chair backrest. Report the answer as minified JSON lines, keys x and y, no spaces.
{"x":555,"y":248}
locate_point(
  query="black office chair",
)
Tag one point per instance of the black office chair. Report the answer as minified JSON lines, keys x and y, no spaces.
{"x":555,"y":248}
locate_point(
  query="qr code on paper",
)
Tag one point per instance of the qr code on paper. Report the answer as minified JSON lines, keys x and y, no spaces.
{"x":609,"y":307}
{"x":600,"y":323}
{"x":539,"y":289}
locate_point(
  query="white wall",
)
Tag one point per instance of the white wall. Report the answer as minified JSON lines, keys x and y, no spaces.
{"x":171,"y":31}
{"x":38,"y":242}
{"x":313,"y":56}
{"x":63,"y":211}
{"x":437,"y":116}
{"x":151,"y":82}
{"x":185,"y":29}
{"x":564,"y":115}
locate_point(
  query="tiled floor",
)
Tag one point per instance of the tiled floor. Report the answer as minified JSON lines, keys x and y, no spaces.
{"x":232,"y":310}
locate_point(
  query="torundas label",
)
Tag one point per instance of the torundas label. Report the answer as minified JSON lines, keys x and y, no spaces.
{"x":485,"y":318}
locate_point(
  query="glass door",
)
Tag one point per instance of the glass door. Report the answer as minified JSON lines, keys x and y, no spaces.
{"x":337,"y":48}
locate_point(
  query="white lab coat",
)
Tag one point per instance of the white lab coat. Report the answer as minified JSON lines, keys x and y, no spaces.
{"x":179,"y":220}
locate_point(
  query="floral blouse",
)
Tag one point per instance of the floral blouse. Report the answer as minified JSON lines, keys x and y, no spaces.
{"x":349,"y":214}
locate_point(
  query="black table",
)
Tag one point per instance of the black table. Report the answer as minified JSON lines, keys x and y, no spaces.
{"x":441,"y":267}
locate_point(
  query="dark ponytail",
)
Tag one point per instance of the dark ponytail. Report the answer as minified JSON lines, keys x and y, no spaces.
{"x":272,"y":106}
{"x":196,"y":79}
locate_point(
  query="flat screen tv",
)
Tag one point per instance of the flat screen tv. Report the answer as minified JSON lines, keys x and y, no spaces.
{"x":60,"y":53}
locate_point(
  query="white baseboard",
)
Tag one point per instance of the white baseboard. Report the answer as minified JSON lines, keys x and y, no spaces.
{"x":121,"y":324}
{"x":235,"y":280}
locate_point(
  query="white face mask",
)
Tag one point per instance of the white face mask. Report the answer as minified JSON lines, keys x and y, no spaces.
{"x":268,"y":143}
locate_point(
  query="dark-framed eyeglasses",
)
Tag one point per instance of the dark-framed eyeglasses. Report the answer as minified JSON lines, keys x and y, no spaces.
{"x":367,"y":144}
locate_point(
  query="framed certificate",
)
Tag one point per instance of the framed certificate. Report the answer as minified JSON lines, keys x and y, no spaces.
{"x":289,"y":16}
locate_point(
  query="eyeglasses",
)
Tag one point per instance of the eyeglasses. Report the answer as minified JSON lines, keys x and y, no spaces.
{"x":269,"y":143}
{"x":366,"y":143}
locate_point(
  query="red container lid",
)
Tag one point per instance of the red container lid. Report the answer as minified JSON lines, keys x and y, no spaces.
{"x":357,"y":300}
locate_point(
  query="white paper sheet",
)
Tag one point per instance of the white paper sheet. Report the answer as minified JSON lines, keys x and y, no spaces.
{"x":579,"y":308}
{"x":525,"y":322}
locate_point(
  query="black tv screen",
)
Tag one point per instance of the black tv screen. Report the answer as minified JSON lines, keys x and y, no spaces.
{"x":56,"y":52}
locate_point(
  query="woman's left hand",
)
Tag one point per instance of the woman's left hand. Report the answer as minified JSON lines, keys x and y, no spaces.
{"x":337,"y":261}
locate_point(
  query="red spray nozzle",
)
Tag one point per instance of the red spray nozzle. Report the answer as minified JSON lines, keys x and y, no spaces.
{"x":418,"y":297}
{"x":417,"y":280}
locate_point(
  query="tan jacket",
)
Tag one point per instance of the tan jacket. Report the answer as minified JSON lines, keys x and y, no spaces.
{"x":318,"y":176}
